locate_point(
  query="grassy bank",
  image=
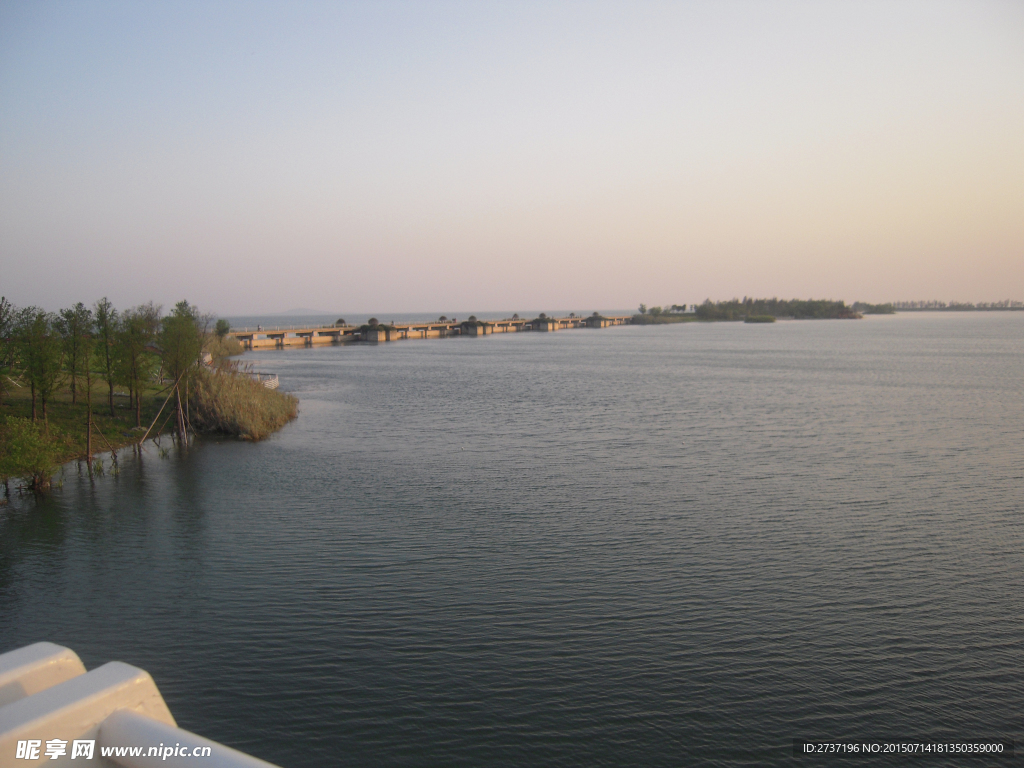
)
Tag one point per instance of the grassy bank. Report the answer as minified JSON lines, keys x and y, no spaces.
{"x":33,"y":452}
{"x":65,"y":422}
{"x":223,"y":401}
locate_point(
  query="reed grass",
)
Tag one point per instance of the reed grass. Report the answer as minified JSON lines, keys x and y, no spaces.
{"x":223,"y":347}
{"x":228,"y":401}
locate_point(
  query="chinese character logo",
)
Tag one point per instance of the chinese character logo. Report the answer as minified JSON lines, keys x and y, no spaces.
{"x":28,"y":750}
{"x":56,"y":748}
{"x":83,"y":748}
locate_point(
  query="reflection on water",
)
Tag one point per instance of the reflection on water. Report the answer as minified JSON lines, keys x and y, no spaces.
{"x":647,"y":546}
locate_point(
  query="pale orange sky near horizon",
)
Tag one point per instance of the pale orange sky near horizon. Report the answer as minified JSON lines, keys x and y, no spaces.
{"x":403,"y":157}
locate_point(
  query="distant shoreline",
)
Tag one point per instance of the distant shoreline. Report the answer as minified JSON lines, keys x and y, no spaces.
{"x":959,"y":309}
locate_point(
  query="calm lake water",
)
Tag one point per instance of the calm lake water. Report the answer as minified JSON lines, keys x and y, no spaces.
{"x":671,"y":545}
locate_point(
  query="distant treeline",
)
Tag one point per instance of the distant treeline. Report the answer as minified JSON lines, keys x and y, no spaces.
{"x":873,"y":309}
{"x":959,"y":306}
{"x":739,"y":309}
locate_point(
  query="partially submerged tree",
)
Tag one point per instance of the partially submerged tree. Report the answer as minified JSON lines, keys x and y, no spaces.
{"x":181,"y":347}
{"x":26,"y":450}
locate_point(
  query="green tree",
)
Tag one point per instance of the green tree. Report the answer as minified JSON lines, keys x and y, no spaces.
{"x":41,"y":354}
{"x":222,"y":328}
{"x":107,"y":321}
{"x":75,"y":326}
{"x":181,"y":346}
{"x":77,"y":330}
{"x":135,"y":364}
{"x":643,"y":309}
{"x":8,"y":346}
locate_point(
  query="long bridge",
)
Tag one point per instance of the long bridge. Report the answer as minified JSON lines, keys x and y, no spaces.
{"x":277,"y":337}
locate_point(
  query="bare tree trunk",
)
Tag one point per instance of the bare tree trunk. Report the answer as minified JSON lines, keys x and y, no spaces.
{"x":110,"y":396}
{"x":181,"y":419}
{"x":74,"y":377}
{"x":88,"y":416}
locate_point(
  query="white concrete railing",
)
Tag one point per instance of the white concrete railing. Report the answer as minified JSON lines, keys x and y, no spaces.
{"x":48,"y":702}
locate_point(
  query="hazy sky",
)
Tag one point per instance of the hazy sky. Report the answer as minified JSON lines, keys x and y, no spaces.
{"x":420,"y":156}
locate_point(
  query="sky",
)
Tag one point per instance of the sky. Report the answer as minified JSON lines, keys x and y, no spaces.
{"x":254,"y":157}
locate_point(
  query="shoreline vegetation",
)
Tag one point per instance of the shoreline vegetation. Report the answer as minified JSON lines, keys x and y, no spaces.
{"x":756,"y":311}
{"x":798,"y":309}
{"x":89,"y":381}
{"x":957,"y":306}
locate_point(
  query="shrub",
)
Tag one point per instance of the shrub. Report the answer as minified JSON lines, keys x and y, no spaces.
{"x":28,"y":451}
